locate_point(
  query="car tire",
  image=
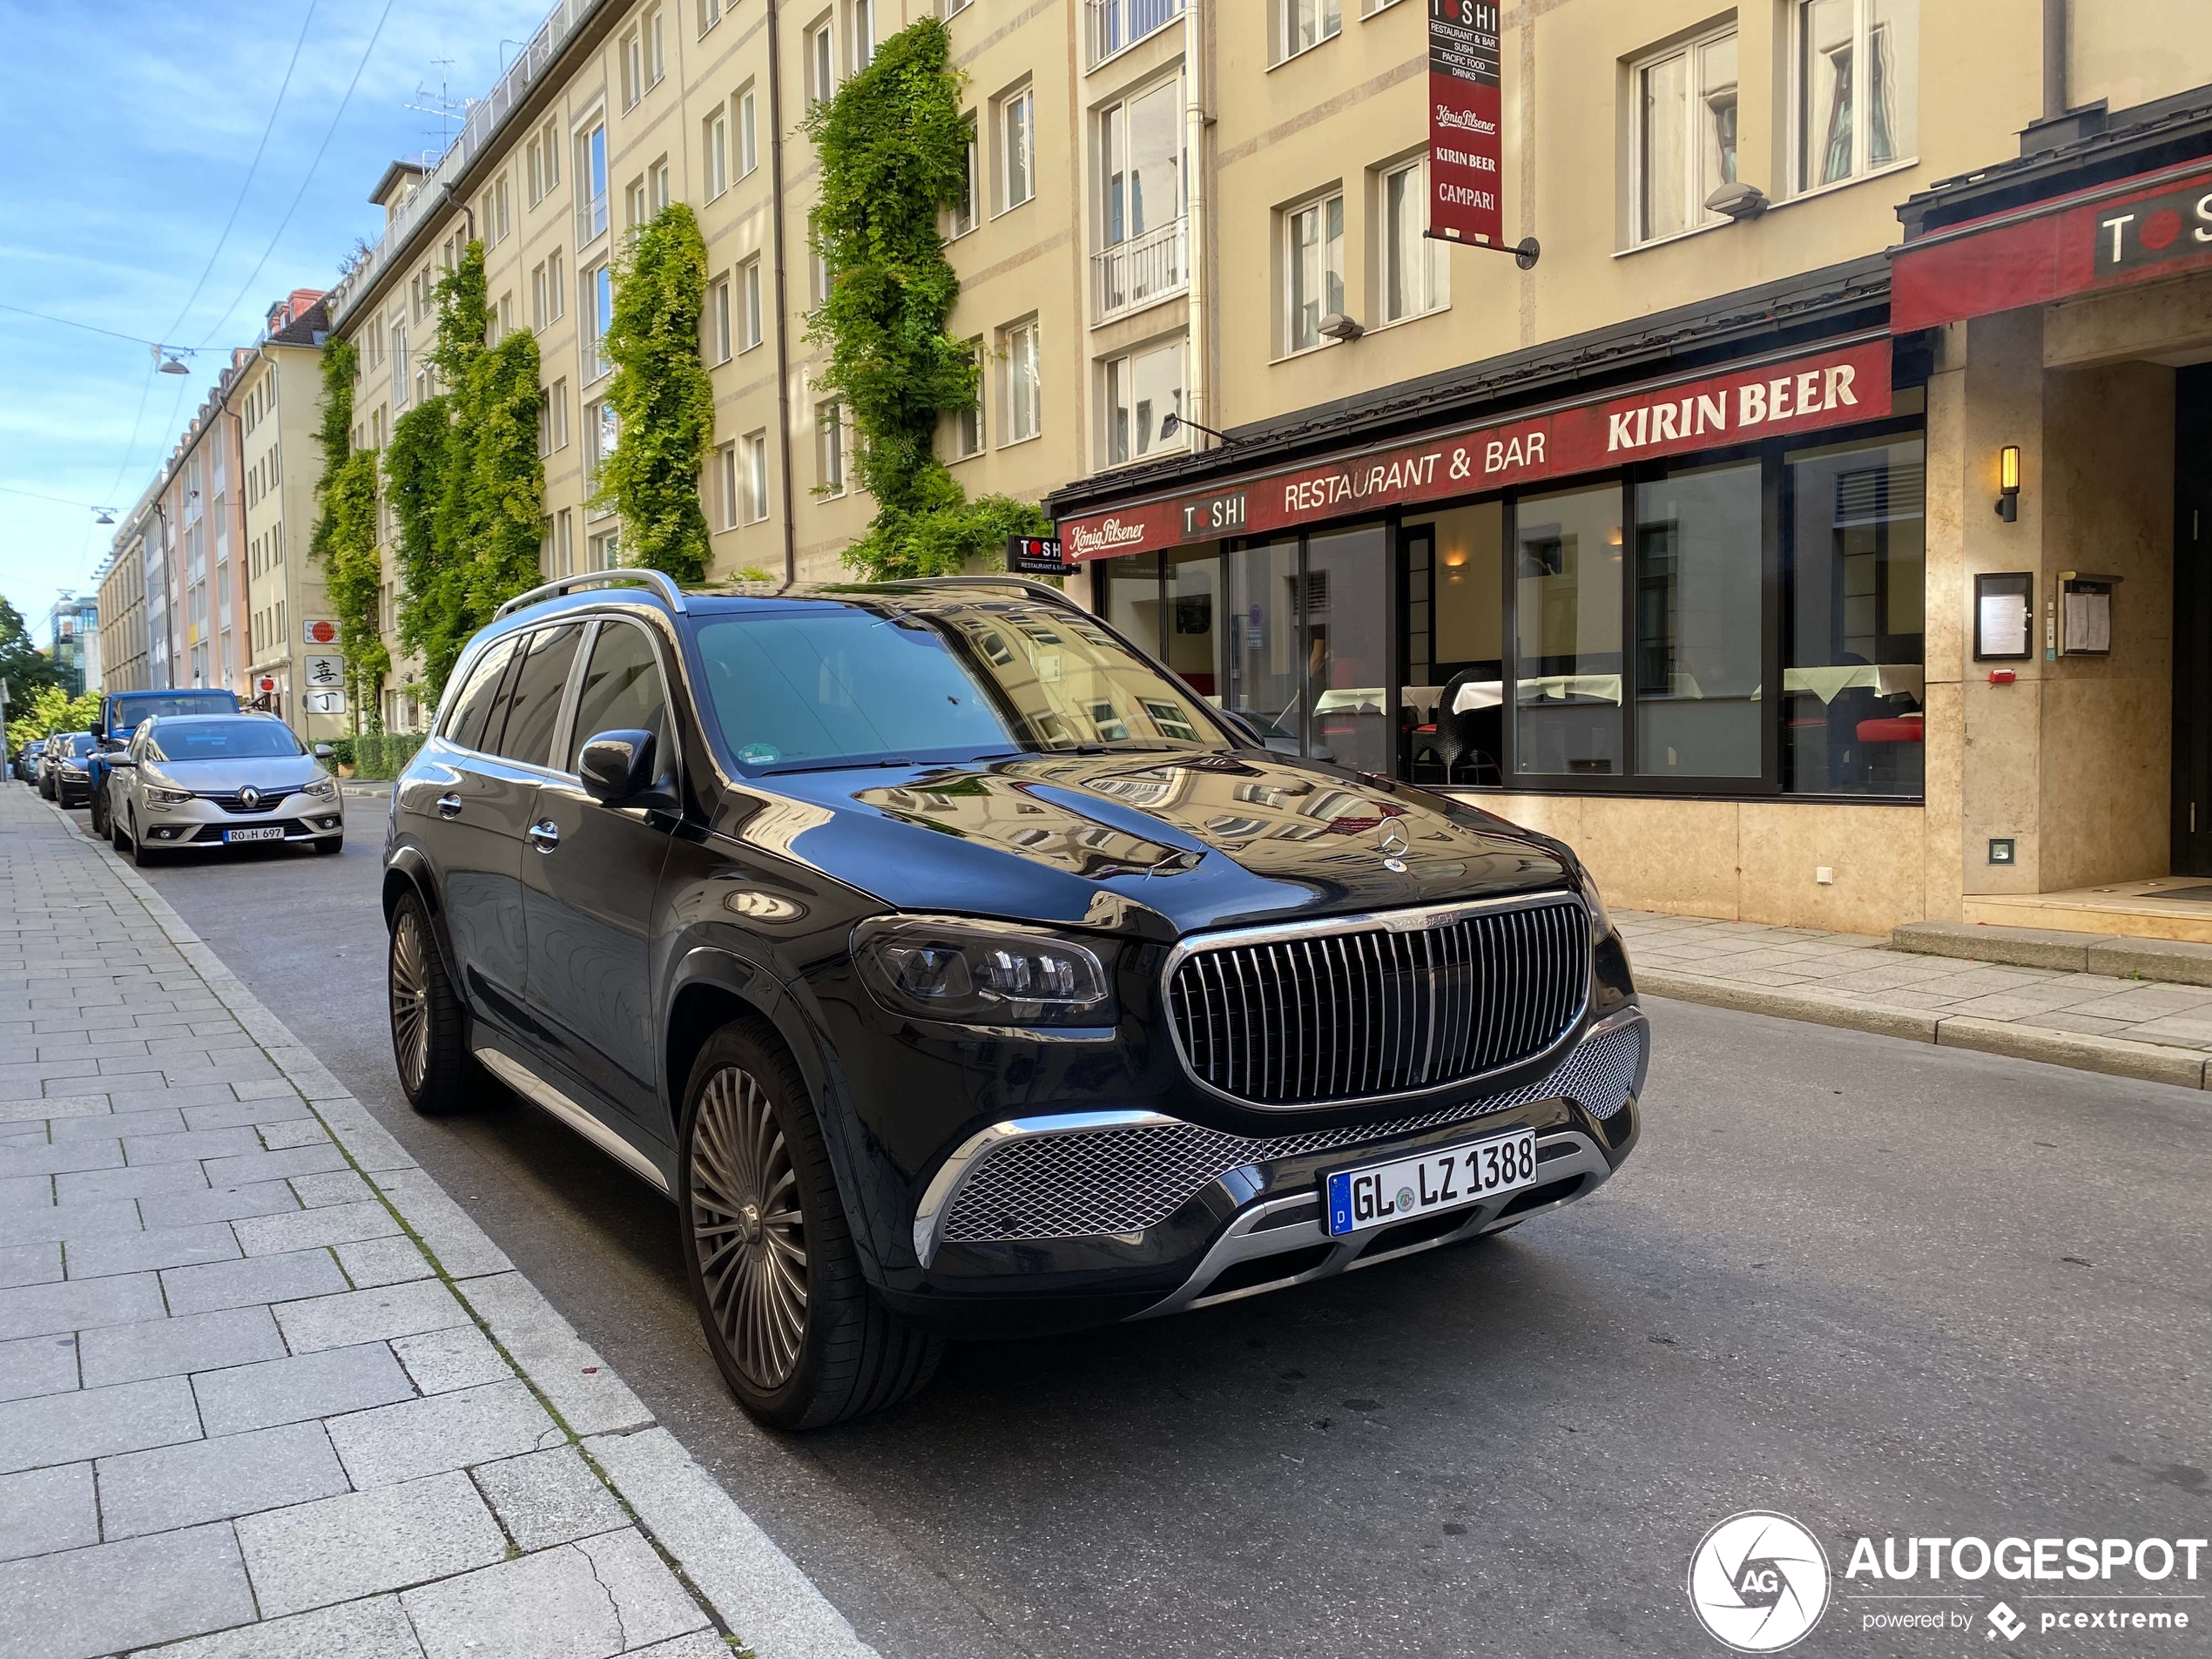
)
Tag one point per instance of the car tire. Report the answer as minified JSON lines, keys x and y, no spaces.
{"x":101,"y":828}
{"x":800,"y":1338}
{"x":429,"y":1034}
{"x":329,"y":843}
{"x":141,"y":854}
{"x":117,"y":837}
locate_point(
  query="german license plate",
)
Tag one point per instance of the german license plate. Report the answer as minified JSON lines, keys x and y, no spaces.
{"x":267,"y":833}
{"x":1451,"y":1177}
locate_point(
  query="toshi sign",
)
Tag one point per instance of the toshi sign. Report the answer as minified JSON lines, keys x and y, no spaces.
{"x":318,"y":630}
{"x":1465,"y":98}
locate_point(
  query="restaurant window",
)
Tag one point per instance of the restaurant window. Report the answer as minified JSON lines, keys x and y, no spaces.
{"x":1684,"y":134}
{"x":1142,"y":391}
{"x":1346,"y":625}
{"x":1452,"y":708}
{"x":1131,"y":597}
{"x":1314,"y":270}
{"x":1190,"y":618}
{"x":1853,"y":674}
{"x":1856,"y":82}
{"x":1567,"y":602}
{"x":1698,"y":624}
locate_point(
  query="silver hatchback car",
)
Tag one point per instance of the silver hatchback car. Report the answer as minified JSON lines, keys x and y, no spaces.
{"x":207,"y":780}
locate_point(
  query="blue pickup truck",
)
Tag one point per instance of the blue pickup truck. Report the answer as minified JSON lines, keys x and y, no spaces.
{"x":121,"y":713}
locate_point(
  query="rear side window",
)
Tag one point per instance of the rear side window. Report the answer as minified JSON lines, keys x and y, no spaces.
{"x":465,"y":725}
{"x":534,"y":700}
{"x":622,"y":692}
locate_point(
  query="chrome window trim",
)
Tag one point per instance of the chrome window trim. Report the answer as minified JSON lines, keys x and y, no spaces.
{"x":1414,"y":920}
{"x":937,"y":1197}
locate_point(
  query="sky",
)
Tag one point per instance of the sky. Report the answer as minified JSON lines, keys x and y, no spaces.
{"x":134,"y":126}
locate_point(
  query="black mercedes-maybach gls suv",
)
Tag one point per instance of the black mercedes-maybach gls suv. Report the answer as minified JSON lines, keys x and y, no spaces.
{"x":959,"y":970}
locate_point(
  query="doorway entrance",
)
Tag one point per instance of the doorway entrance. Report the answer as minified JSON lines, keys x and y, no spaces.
{"x":2193,"y":621}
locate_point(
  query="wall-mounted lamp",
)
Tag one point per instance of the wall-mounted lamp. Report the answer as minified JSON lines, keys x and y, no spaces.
{"x":2008,"y":482}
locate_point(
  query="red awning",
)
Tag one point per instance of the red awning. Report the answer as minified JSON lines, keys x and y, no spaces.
{"x":2155,"y":225}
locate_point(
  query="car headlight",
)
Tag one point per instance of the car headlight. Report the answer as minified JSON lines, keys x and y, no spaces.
{"x":981,"y":973}
{"x":321,"y":788}
{"x":156,"y":796}
{"x":72,"y":770}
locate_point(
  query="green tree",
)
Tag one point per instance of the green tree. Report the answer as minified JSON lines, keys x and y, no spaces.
{"x":50,"y":709}
{"x":894,"y":146}
{"x":663,"y":401}
{"x":22,"y":663}
{"x":344,"y":538}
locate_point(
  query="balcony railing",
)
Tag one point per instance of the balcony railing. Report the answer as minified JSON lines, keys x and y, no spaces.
{"x":1142,"y":270}
{"x":591,"y":218}
{"x":1118,"y":23}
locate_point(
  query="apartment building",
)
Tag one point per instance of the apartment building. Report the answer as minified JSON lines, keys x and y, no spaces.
{"x":273,"y":402}
{"x":123,"y":614}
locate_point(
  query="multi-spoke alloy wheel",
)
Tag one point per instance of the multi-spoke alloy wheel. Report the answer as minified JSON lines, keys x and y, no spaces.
{"x":798,"y":1334}
{"x":434,"y":1066}
{"x":747,"y":1228}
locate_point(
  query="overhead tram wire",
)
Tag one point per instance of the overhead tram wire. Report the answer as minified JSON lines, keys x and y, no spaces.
{"x":337,"y":115}
{"x":252,"y":168}
{"x":72,"y":322}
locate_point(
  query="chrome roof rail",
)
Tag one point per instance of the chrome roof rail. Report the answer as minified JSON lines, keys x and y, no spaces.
{"x":1043,"y":590}
{"x":660,"y":581}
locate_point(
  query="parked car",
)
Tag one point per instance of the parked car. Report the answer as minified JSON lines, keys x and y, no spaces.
{"x":210,"y":781}
{"x":121,"y":713}
{"x":957,"y":969}
{"x":27,"y":759}
{"x":61,"y":776}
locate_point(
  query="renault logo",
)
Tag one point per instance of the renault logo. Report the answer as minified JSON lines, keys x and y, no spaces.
{"x":1393,"y":843}
{"x":249,"y":798}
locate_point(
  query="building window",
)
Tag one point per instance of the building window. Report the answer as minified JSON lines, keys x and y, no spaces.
{"x":1313,"y":266}
{"x":604,"y":551}
{"x":544,"y":423}
{"x":964,"y":428}
{"x":749,"y":317}
{"x":591,"y":184}
{"x":821,"y":62}
{"x":499,"y":221}
{"x":717,"y":153}
{"x":564,"y":542}
{"x":601,"y":432}
{"x":1698,"y":623}
{"x":1685,"y":135}
{"x":656,"y":48}
{"x":863,"y":34}
{"x":633,"y":69}
{"x":718,"y":321}
{"x":966,"y":210}
{"x":829,"y":448}
{"x":709,"y":14}
{"x":725,"y":479}
{"x":1118,"y":24}
{"x":1856,"y":82}
{"x":635,"y":210}
{"x":1024,"y":382}
{"x":1416,"y":277}
{"x":399,"y":368}
{"x":1017,"y":147}
{"x":662,"y":191}
{"x":598,"y":311}
{"x":558,"y":398}
{"x":748,"y":139}
{"x":756,"y":477}
{"x":556,"y":296}
{"x":1307,"y":23}
{"x":1141,"y":200}
{"x":1142,"y":390}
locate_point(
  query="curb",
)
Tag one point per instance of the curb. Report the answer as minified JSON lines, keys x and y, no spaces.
{"x":2170,"y":962}
{"x":757,"y":1594}
{"x":2114,"y":1056}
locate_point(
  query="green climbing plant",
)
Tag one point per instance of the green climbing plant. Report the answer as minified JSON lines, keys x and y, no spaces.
{"x":344,"y":538}
{"x":466,"y":484}
{"x":663,"y":400}
{"x":894,"y":145}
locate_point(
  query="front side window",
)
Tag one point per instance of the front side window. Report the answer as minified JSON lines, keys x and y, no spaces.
{"x":1684,"y":135}
{"x":1024,"y":384}
{"x":622,"y":692}
{"x":1313,"y":258}
{"x":1857,"y":86}
{"x":1142,"y":391}
{"x":1415,"y":274}
{"x":464,"y":724}
{"x":1018,"y":143}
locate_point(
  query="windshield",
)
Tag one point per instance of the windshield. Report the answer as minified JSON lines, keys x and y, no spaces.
{"x":128,"y":712}
{"x":78,"y":743}
{"x":843,"y":685}
{"x":240,"y":740}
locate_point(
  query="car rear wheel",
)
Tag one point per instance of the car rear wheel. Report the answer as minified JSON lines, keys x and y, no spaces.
{"x":801,"y":1339}
{"x":429,"y":1045}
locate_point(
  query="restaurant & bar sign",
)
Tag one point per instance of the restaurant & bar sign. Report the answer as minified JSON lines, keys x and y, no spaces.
{"x":1833,"y":387}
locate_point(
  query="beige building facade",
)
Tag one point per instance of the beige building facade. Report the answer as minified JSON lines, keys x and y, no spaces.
{"x":1669,"y":545}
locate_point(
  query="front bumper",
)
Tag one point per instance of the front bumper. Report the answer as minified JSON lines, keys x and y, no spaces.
{"x":1056,"y":1222}
{"x":202,"y":822}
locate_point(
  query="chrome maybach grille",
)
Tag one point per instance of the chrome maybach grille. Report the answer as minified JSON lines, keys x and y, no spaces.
{"x":1124,"y":1179}
{"x":1378,"y":1010}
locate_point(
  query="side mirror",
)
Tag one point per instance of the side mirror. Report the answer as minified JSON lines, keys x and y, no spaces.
{"x":121,"y":760}
{"x":1246,"y":727}
{"x":323,"y":752}
{"x":616,"y":767}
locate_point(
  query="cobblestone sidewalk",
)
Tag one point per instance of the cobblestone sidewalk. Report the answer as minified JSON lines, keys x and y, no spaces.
{"x":2131,"y":1028}
{"x":264,"y":1390}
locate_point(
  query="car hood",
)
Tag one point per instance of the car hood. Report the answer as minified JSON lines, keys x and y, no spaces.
{"x":1156,"y":844}
{"x":276,"y":776}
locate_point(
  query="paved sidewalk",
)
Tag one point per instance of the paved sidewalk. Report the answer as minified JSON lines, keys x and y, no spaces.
{"x":267,"y":1391}
{"x":2094,"y":1022}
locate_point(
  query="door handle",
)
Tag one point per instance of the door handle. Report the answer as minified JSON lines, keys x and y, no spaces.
{"x":544,"y":835}
{"x":449,"y":806}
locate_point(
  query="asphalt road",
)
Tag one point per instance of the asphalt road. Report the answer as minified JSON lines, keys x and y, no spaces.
{"x":1882,"y":1287}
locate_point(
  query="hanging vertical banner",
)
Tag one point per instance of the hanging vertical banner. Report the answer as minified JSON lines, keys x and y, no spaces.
{"x":1464,"y":99}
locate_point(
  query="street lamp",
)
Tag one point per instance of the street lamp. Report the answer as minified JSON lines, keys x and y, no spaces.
{"x":1176,"y":422}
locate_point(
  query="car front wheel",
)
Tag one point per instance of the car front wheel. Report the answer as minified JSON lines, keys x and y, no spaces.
{"x":428,"y":1041}
{"x":141,"y":854}
{"x":800,"y":1336}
